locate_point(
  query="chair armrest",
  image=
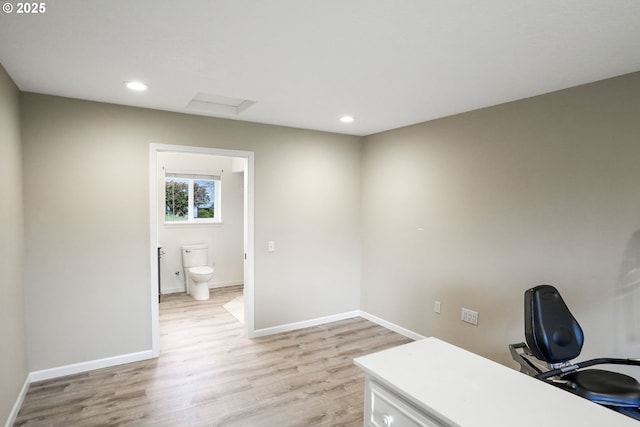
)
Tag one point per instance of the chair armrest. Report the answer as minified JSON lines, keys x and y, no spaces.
{"x":587,"y":363}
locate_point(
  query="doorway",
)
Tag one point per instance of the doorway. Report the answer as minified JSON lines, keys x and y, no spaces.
{"x":247,"y":160}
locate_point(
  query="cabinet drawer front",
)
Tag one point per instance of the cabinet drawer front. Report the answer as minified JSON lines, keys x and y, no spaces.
{"x":389,"y":410}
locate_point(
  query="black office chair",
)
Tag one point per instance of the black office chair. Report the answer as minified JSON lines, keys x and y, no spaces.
{"x":554,"y":337}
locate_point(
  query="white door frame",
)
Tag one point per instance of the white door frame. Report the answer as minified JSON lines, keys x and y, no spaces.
{"x":248,"y":157}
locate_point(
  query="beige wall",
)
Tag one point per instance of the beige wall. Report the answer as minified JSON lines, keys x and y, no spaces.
{"x":13,"y":350}
{"x":88,"y":236}
{"x":473,"y":209}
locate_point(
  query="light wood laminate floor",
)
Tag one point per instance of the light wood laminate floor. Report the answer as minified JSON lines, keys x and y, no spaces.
{"x":208,"y":374}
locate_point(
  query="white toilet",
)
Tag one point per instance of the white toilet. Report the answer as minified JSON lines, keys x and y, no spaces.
{"x":197,"y":273}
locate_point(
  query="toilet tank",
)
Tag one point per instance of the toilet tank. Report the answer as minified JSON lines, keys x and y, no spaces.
{"x":195,"y":255}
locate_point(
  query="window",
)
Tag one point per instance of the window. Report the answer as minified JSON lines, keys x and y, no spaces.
{"x":192,"y":198}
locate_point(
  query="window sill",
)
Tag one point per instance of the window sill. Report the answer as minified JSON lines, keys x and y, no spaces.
{"x":193,"y":223}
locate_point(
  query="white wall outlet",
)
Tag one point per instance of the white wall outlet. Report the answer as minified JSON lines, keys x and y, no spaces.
{"x":437,"y":307}
{"x":271,"y":246}
{"x":469,"y":316}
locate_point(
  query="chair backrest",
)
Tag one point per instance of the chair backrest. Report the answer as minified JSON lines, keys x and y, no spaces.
{"x":551,"y":331}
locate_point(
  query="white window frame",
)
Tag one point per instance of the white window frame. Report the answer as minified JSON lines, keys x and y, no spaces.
{"x":217,"y":197}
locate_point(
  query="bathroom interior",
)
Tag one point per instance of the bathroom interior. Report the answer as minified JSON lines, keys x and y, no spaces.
{"x":201,"y":248}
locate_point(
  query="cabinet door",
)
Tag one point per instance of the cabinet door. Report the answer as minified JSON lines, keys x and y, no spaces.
{"x":387,"y":409}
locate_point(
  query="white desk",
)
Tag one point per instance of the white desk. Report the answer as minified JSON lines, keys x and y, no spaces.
{"x":433,"y":383}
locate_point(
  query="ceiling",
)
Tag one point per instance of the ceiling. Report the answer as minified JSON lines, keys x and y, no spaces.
{"x":305,"y":63}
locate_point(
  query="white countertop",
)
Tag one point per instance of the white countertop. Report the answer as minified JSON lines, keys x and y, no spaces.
{"x":470,"y":391}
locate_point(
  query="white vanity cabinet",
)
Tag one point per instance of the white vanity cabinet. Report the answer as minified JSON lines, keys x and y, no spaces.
{"x":430,"y":383}
{"x":386,"y":408}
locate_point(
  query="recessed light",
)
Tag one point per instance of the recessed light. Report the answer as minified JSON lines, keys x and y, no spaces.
{"x":137,"y":86}
{"x":346,"y":119}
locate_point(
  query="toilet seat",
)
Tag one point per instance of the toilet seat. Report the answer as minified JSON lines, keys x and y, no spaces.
{"x":201,"y":270}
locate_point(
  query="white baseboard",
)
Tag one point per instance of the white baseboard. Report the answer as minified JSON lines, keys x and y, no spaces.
{"x":305,"y":324}
{"x":47,"y":374}
{"x":77,"y":368}
{"x":334,"y":318}
{"x":392,"y":326}
{"x":226,"y":284}
{"x":166,"y":291}
{"x":179,"y":289}
{"x":16,"y":406}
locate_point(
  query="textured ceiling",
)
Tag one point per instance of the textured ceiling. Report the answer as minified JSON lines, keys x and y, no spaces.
{"x":305,"y":63}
